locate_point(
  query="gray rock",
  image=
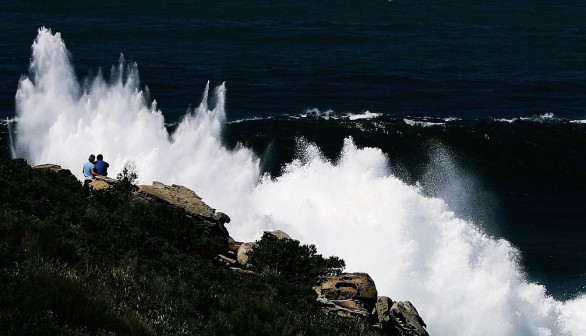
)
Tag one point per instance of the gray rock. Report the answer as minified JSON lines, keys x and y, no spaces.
{"x":222,"y":218}
{"x":347,"y":294}
{"x":354,"y":295}
{"x":279,"y":234}
{"x":179,"y":196}
{"x":399,"y":318}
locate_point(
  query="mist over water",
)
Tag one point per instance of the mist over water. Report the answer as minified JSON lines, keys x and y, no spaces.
{"x":462,"y":281}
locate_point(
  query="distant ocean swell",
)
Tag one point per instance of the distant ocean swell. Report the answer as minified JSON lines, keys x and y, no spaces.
{"x":461,"y":279}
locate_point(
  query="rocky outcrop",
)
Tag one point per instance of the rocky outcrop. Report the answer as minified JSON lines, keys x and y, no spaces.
{"x":102,"y":182}
{"x":53,"y":167}
{"x":354,"y":295}
{"x":347,"y":294}
{"x":243,"y":253}
{"x":398,"y":318}
{"x":183,"y":198}
{"x":174,"y":195}
{"x":280,"y":234}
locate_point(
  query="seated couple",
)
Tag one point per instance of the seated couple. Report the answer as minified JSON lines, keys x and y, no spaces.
{"x":95,"y":167}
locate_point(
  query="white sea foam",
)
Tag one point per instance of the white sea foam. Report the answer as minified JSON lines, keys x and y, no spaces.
{"x":365,"y":115}
{"x":422,"y":123}
{"x":546,"y":117}
{"x":317,"y":113}
{"x":244,"y":120}
{"x":462,"y":281}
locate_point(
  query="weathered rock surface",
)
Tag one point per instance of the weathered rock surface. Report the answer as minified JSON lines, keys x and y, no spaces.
{"x":226,"y":260}
{"x":280,"y":234}
{"x":347,"y":294}
{"x":243,"y":253}
{"x":53,"y":167}
{"x":102,"y":182}
{"x":355,"y":295}
{"x":348,"y":286}
{"x":399,"y":318}
{"x":183,"y":198}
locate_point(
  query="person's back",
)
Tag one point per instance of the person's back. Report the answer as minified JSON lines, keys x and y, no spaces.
{"x":89,"y":168}
{"x":101,"y":166}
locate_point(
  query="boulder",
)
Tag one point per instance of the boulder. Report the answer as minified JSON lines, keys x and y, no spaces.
{"x":347,"y":294}
{"x":358,"y":286}
{"x":222,"y":218}
{"x":383,"y":309}
{"x":53,"y":167}
{"x":243,"y":253}
{"x":354,"y":295}
{"x":279,"y":234}
{"x":226,"y":260}
{"x":183,"y":198}
{"x":102,"y":182}
{"x":399,"y":318}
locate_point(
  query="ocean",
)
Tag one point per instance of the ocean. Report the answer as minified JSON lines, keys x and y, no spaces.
{"x":438,"y":146}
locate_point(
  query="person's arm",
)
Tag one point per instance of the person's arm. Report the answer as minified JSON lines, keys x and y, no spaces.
{"x":93,"y":170}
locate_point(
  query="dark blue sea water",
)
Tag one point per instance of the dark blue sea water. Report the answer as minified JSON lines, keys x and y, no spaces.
{"x":498,"y":87}
{"x":452,"y":58}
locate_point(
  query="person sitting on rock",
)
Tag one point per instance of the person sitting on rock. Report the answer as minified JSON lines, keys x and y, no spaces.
{"x":101,"y":166}
{"x":89,"y":169}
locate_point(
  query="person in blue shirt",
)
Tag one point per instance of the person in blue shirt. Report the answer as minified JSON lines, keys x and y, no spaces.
{"x":101,"y":166}
{"x":89,"y":169}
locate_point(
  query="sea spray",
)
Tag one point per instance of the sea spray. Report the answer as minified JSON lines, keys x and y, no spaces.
{"x":63,"y":124}
{"x":9,"y":123}
{"x":413,"y":246}
{"x":462,"y":281}
{"x":467,"y":196}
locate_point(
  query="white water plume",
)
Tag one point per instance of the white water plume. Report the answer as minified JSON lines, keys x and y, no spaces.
{"x":9,"y":123}
{"x":462,"y":281}
{"x":62,"y":123}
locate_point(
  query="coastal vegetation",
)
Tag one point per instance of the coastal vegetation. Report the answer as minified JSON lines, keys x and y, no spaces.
{"x":77,"y":261}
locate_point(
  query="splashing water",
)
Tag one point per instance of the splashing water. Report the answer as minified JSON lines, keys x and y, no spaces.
{"x":9,"y":123}
{"x":61,"y":122}
{"x":462,"y":281}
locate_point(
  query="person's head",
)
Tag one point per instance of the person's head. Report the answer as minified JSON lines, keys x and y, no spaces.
{"x":100,"y":157}
{"x":92,"y":158}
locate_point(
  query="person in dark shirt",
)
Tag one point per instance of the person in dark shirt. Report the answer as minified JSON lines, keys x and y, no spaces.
{"x":101,"y":166}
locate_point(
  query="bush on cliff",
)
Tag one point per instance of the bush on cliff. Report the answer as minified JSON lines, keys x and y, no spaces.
{"x":79,"y":262}
{"x":288,"y":258}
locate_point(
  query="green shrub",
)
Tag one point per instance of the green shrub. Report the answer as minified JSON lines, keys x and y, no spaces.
{"x":127,"y":178}
{"x":287,"y":257}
